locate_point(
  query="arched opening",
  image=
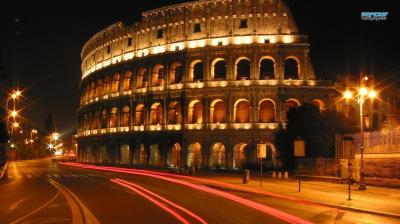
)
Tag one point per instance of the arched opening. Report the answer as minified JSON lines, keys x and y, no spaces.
{"x":218,"y":69}
{"x":126,"y":86}
{"x":107,"y":85}
{"x":176,"y":73}
{"x":243,"y":69}
{"x":267,"y":68}
{"x":174,"y":156}
{"x":125,"y":116}
{"x":139,"y":115}
{"x":157,"y":76}
{"x":175,"y":113}
{"x":104,"y":118}
{"x":291,"y":69}
{"x":141,"y":78}
{"x":194,"y":155}
{"x":113,"y":117}
{"x":291,"y":103}
{"x":142,"y":155}
{"x":115,"y":83}
{"x":196,"y":71}
{"x":156,"y":114}
{"x":217,"y":157}
{"x":155,"y":155}
{"x":103,"y":154}
{"x":195,"y":112}
{"x":124,"y":154}
{"x":239,"y":156}
{"x":320,"y":104}
{"x":242,"y":111}
{"x":218,"y":112}
{"x":271,"y":156}
{"x":99,"y":88}
{"x":96,"y":120}
{"x":87,"y":92}
{"x":266,"y":113}
{"x":92,"y":89}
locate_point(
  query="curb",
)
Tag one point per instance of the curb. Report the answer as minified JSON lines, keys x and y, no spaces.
{"x":3,"y":171}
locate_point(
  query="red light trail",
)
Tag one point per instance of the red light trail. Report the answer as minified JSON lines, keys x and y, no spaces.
{"x":262,"y":208}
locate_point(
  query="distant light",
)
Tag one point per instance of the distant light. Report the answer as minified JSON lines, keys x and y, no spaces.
{"x":51,"y":146}
{"x":14,"y":113}
{"x":348,"y":94}
{"x":14,"y":96}
{"x":363,"y":91}
{"x":372,"y":94}
{"x":12,"y":145}
{"x":16,"y":125}
{"x":18,"y":93}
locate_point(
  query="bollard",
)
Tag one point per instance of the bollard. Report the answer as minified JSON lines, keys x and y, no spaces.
{"x":246,"y":176}
{"x":274,"y":174}
{"x":192,"y":171}
{"x":279,"y":174}
{"x":286,"y":175}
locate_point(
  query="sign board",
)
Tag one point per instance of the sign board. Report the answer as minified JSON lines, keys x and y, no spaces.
{"x":299,"y":148}
{"x":261,"y":151}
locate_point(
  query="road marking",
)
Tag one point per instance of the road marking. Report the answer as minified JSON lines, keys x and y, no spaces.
{"x":80,"y":213}
{"x":29,"y":176}
{"x":38,"y":209}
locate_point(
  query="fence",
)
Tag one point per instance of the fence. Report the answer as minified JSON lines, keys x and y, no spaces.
{"x":378,"y":142}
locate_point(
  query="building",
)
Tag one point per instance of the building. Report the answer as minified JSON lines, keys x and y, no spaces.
{"x":197,"y":84}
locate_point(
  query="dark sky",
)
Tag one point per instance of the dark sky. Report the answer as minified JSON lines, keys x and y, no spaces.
{"x":41,"y":44}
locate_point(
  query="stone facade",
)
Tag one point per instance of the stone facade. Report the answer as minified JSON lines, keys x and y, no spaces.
{"x":197,"y":84}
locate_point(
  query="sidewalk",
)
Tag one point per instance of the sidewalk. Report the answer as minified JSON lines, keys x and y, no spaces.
{"x":374,"y":200}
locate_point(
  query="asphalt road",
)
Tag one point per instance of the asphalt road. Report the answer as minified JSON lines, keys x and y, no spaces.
{"x":48,"y":192}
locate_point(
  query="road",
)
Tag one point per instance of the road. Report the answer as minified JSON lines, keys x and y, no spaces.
{"x":48,"y":192}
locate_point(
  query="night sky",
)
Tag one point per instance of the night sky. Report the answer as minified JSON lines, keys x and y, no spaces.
{"x":41,"y":44}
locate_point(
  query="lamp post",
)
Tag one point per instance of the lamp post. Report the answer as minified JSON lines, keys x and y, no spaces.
{"x":363,"y":94}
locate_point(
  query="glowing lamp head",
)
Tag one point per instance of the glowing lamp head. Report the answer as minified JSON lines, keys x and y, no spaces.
{"x":14,"y":113}
{"x":51,"y":146}
{"x":363,"y":91}
{"x":366,"y":78}
{"x":18,"y":93}
{"x":15,"y":125}
{"x":348,"y":94}
{"x":14,"y":96}
{"x":372,"y":94}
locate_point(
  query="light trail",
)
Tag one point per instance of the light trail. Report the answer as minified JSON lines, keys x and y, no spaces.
{"x":260,"y":207}
{"x":198,"y":218}
{"x":159,"y":204}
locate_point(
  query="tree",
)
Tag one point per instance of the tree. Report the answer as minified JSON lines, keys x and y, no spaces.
{"x":318,"y":129}
{"x":3,"y":137}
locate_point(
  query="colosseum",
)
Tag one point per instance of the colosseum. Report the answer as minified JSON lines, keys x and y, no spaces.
{"x":197,"y":84}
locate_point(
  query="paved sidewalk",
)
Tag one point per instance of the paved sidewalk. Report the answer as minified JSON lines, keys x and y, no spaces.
{"x":373,"y":200}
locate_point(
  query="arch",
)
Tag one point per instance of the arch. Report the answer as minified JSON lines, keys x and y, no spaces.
{"x":115,"y":83}
{"x":320,"y":104}
{"x":241,"y":112}
{"x":267,"y":68}
{"x":141,"y":78}
{"x":174,"y":113}
{"x":194,"y":155}
{"x":107,"y":85}
{"x":142,"y":155}
{"x":196,"y":72}
{"x":157,"y":76}
{"x":174,"y":156}
{"x":218,"y":69}
{"x":290,"y":103}
{"x":125,"y":116}
{"x":155,"y":155}
{"x":104,"y":118}
{"x":195,"y":112}
{"x":87,"y":91}
{"x":96,"y":120}
{"x":103,"y":154}
{"x":139,"y":115}
{"x":267,"y":111}
{"x":124,"y":153}
{"x":99,"y":88}
{"x":113,"y":117}
{"x":291,"y":68}
{"x":239,"y":155}
{"x":126,"y":85}
{"x":218,"y":111}
{"x":176,"y":73}
{"x":156,"y":114}
{"x":271,"y":156}
{"x":243,"y":68}
{"x":92,"y":89}
{"x":217,"y":156}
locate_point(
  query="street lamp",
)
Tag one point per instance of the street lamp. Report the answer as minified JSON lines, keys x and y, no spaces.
{"x":363,"y":94}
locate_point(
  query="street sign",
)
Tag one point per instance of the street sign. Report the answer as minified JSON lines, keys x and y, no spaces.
{"x":299,"y":148}
{"x":261,"y":151}
{"x":348,"y":148}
